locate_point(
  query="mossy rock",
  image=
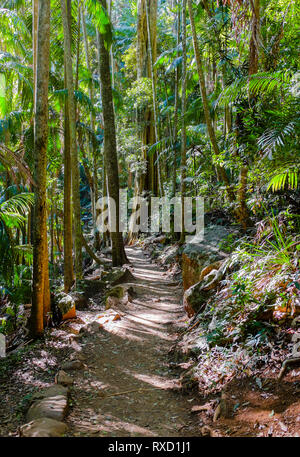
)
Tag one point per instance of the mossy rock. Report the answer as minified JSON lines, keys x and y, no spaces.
{"x":91,"y":287}
{"x":118,"y":294}
{"x":117,"y":291}
{"x":119,"y":276}
{"x":65,"y":303}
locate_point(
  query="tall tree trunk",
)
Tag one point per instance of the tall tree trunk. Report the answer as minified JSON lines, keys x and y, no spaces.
{"x":110,"y":148}
{"x":149,"y":181}
{"x":183,"y":121}
{"x":242,"y":210}
{"x":35,"y":14}
{"x":208,"y":119}
{"x":176,"y":103}
{"x":254,"y":40}
{"x":68,"y":219}
{"x":111,"y":55}
{"x":153,"y":82}
{"x":35,"y":17}
{"x":65,"y":8}
{"x":93,"y":152}
{"x":40,"y":288}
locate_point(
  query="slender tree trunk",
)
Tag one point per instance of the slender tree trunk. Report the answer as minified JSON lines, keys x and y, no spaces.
{"x":40,"y":288}
{"x":242,"y":210}
{"x":65,"y":7}
{"x":183,"y":121}
{"x":176,"y":104}
{"x":208,"y":119}
{"x":52,"y":196}
{"x":35,"y":14}
{"x":93,"y":152}
{"x":254,"y":41}
{"x":153,"y":82}
{"x":148,"y":181}
{"x":111,"y":55}
{"x":68,"y":219}
{"x":110,"y":148}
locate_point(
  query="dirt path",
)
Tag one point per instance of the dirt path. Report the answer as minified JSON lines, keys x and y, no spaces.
{"x":130,"y":354}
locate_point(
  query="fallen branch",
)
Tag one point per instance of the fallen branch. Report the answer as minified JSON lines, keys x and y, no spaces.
{"x":193,"y":326}
{"x":90,"y":252}
{"x":16,"y":347}
{"x":285,"y":365}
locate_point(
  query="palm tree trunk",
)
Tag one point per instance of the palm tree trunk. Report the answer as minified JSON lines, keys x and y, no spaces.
{"x":183,"y":121}
{"x":65,"y":7}
{"x":208,"y":119}
{"x":242,"y":210}
{"x":153,"y":82}
{"x":110,"y":149}
{"x":176,"y":104}
{"x":68,"y":219}
{"x":40,"y":287}
{"x":93,"y":152}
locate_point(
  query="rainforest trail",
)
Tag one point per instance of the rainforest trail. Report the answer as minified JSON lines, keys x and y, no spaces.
{"x":128,"y":388}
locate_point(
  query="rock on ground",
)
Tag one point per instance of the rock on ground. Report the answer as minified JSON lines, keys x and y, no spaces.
{"x":44,"y":427}
{"x":72,"y":365}
{"x":195,"y":257}
{"x":50,"y":407}
{"x":52,"y":391}
{"x":63,"y":378}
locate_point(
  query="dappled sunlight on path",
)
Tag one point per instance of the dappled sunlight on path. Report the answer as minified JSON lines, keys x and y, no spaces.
{"x":127,"y":388}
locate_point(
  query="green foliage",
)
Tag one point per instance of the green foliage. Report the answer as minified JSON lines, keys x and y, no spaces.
{"x":229,"y":243}
{"x":14,"y":210}
{"x":260,"y":84}
{"x":242,"y":293}
{"x":284,"y":177}
{"x":279,"y":251}
{"x":101,"y":20}
{"x":139,"y":96}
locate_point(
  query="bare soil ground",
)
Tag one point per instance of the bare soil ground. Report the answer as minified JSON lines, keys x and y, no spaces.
{"x":131,"y":355}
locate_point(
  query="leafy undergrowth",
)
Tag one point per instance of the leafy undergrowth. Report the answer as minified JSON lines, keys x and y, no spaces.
{"x":247,"y":323}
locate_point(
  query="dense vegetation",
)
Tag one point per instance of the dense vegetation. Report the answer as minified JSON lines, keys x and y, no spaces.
{"x":162,"y":98}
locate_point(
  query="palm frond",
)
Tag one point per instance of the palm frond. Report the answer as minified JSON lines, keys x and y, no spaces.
{"x":274,"y":138}
{"x":284,"y":177}
{"x":10,"y":158}
{"x":258,"y":84}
